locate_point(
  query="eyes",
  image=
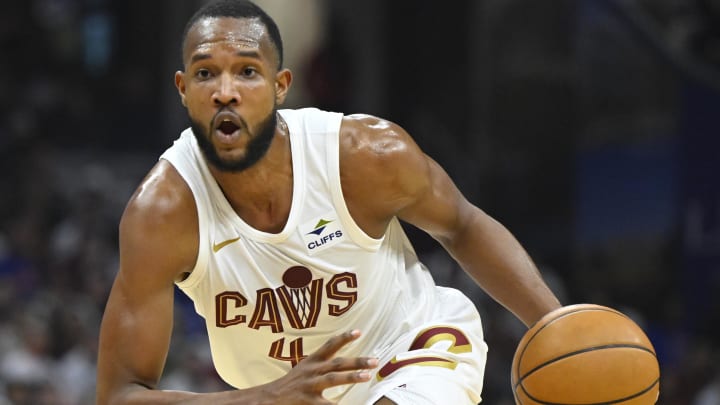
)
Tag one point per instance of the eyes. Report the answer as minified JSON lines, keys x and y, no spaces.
{"x":203,"y":74}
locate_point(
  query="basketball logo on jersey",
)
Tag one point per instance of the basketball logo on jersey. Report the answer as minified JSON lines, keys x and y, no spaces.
{"x":321,"y":233}
{"x":300,"y":296}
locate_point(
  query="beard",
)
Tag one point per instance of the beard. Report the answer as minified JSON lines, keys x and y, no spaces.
{"x":257,"y":146}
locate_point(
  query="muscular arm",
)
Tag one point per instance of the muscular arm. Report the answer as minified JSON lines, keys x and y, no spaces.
{"x":415,"y":188}
{"x":159,"y":245}
{"x":485,"y":249}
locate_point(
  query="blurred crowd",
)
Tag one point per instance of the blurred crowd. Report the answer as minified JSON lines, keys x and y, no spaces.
{"x":79,"y":112}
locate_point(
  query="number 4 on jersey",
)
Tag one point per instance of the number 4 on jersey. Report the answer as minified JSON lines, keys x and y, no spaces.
{"x":296,"y":351}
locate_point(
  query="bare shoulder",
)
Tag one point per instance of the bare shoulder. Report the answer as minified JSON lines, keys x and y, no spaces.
{"x":160,"y":223}
{"x":381,"y":167}
{"x":162,"y":197}
{"x":377,"y":144}
{"x":373,"y":137}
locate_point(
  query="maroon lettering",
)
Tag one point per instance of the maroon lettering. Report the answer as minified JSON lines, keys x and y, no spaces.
{"x":223,"y":302}
{"x":266,"y":311}
{"x":459,"y":343}
{"x":334,"y":292}
{"x":296,"y":351}
{"x":301,"y":299}
{"x":428,"y":337}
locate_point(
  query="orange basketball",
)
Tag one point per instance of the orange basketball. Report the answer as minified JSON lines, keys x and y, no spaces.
{"x":585,"y":354}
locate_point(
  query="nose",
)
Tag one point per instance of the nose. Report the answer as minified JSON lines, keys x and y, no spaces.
{"x":226,"y":93}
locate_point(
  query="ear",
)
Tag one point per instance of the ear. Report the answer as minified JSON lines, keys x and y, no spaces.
{"x":283,"y":80}
{"x":180,"y":84}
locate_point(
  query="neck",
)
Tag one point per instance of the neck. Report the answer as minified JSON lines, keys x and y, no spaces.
{"x":262,"y":194}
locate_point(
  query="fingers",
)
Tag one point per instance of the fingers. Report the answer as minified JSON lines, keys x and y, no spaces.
{"x":327,"y":352}
{"x":322,"y":369}
{"x":353,"y":363}
{"x":335,"y":343}
{"x":331,"y":371}
{"x":341,"y":378}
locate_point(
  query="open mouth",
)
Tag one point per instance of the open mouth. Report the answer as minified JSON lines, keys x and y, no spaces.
{"x":227,"y":127}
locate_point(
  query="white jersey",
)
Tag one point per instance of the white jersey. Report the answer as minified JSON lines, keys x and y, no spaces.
{"x":270,"y":299}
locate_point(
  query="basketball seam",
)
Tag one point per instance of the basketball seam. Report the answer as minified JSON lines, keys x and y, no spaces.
{"x":615,"y":401}
{"x":581,"y":351}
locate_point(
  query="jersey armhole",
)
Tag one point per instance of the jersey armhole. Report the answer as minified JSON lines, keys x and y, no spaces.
{"x":200,"y":267}
{"x":359,"y":236}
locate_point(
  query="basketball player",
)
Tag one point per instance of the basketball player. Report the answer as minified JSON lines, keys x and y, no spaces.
{"x":283,"y":227}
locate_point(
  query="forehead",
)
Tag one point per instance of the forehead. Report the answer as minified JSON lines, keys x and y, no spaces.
{"x":238,"y":33}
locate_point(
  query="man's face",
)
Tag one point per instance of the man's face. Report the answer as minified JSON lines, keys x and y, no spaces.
{"x":231,"y":88}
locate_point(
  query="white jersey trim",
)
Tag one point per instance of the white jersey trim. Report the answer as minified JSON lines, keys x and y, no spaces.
{"x":172,"y":156}
{"x":333,"y":155}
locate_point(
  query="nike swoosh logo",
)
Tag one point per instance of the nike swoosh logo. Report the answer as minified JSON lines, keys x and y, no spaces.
{"x":221,"y":245}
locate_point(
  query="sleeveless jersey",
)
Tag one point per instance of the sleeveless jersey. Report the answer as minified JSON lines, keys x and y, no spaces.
{"x":269,"y":299}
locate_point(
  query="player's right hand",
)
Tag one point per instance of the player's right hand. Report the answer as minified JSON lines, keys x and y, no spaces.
{"x":304,"y":384}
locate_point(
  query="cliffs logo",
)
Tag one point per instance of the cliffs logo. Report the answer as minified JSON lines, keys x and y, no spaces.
{"x":320,"y":227}
{"x":321,"y":233}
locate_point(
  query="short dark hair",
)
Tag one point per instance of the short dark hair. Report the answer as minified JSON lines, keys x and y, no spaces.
{"x":238,"y":9}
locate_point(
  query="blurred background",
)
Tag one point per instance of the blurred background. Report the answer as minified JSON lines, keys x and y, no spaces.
{"x":590,"y":128}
